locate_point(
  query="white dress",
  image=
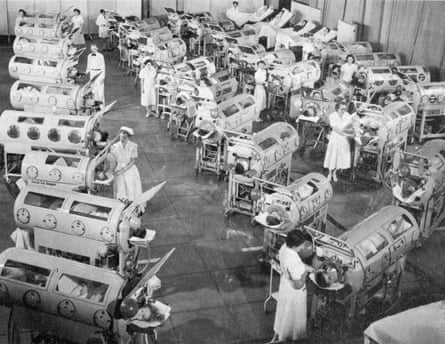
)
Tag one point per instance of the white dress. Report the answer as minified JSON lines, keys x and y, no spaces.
{"x":338,"y":152}
{"x":96,"y":65}
{"x":101,"y":22}
{"x":77,"y":22}
{"x":127,"y":185}
{"x":348,"y":71}
{"x":290,"y":316}
{"x":260,"y":91}
{"x":148,"y":82}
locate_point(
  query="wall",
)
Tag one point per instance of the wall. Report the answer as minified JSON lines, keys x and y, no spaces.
{"x":89,"y":10}
{"x":415,"y":29}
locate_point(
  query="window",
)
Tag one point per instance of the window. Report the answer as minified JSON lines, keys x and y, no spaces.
{"x":82,"y":288}
{"x":407,"y":70}
{"x":249,"y":32}
{"x":231,"y":40}
{"x":364,"y":57}
{"x":30,"y":120}
{"x":62,"y":161}
{"x":246,"y":50}
{"x":59,"y":90}
{"x":404,"y":110}
{"x":24,"y":60}
{"x":399,"y":226}
{"x":267,"y":143}
{"x":43,"y":201}
{"x":372,"y":245}
{"x":230,"y":111}
{"x":381,"y":70}
{"x":71,"y":123}
{"x":26,"y":273}
{"x":387,"y":56}
{"x":245,"y":103}
{"x":90,"y":210}
{"x":234,"y":34}
{"x":28,"y":87}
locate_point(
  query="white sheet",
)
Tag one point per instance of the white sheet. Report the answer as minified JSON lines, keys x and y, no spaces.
{"x":424,"y":324}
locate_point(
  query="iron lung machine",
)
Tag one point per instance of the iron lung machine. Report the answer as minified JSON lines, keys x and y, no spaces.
{"x":266,"y":155}
{"x":364,"y":264}
{"x":90,"y":229}
{"x":185,"y":103}
{"x":68,"y":171}
{"x":429,"y":99}
{"x":215,"y":124}
{"x":418,"y":184}
{"x":283,"y":79}
{"x":378,"y":135}
{"x":72,"y":297}
{"x":284,"y":208}
{"x":51,"y":48}
{"x":55,"y":300}
{"x":22,"y":132}
{"x":66,"y":99}
{"x":43,"y":69}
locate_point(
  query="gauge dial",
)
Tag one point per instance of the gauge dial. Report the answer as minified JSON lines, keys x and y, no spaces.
{"x":106,"y":234}
{"x":55,"y":174}
{"x":78,"y":227}
{"x":32,"y":172}
{"x":23,"y":215}
{"x":102,"y":319}
{"x":50,"y":221}
{"x":78,"y":177}
{"x":66,"y":309}
{"x":31,"y":299}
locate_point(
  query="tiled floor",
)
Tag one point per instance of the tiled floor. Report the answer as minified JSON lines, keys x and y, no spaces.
{"x":215,"y":288}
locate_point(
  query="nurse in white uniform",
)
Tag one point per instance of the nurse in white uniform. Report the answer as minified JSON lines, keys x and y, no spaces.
{"x":148,"y":90}
{"x":102,"y":25}
{"x":77,"y":22}
{"x":348,"y":69}
{"x":290,"y":316}
{"x":338,"y":152}
{"x":127,"y":180}
{"x":260,"y":88}
{"x":95,"y":66}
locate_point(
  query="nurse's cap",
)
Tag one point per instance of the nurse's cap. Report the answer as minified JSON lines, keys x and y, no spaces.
{"x":128,"y":130}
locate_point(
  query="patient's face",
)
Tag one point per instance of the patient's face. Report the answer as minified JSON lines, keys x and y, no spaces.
{"x":331,"y":276}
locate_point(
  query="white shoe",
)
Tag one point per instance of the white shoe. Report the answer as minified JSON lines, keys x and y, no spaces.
{"x":334,"y":178}
{"x":148,"y":114}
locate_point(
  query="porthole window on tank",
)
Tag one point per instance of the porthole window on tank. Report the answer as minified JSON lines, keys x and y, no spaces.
{"x":33,"y":133}
{"x":54,"y":135}
{"x":74,"y":136}
{"x":13,"y":131}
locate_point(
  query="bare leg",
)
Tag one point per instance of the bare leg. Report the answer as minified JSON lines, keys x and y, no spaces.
{"x":334,"y":176}
{"x":329,"y":175}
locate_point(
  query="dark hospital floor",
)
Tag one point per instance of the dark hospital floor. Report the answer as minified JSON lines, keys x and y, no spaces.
{"x":213,"y":282}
